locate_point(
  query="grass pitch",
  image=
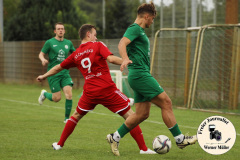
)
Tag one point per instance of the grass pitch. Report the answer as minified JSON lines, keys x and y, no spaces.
{"x":27,"y":130}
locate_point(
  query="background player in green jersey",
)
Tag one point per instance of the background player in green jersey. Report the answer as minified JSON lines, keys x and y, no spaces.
{"x":57,"y":49}
{"x":134,"y":48}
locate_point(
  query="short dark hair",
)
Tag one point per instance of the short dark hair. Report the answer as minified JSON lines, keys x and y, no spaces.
{"x":147,"y":8}
{"x":84,"y":29}
{"x":60,"y":23}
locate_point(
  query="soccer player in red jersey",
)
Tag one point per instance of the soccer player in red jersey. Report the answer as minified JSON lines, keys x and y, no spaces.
{"x":90,"y":58}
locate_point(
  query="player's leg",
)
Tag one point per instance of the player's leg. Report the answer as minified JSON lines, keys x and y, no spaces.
{"x":66,"y":85}
{"x":55,"y":95}
{"x":67,"y":90}
{"x":142,"y":113}
{"x":133,"y":120}
{"x":130,"y":123}
{"x":121,"y":106}
{"x":164,"y":102}
{"x":145,"y":88}
{"x":141,"y":98}
{"x":68,"y":129}
{"x":54,"y":84}
{"x":137,"y":134}
{"x":86,"y":106}
{"x":152,"y":91}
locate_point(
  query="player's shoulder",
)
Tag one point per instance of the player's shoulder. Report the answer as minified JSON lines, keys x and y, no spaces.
{"x":134,"y":26}
{"x":134,"y":29}
{"x":101,"y":43}
{"x":67,"y":40}
{"x":50,"y":40}
{"x":94,"y":44}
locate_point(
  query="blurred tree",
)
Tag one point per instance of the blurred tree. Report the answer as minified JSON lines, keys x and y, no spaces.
{"x":9,"y":8}
{"x":34,"y":20}
{"x":92,"y":8}
{"x":119,"y":15}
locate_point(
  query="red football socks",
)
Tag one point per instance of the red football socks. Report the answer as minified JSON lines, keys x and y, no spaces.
{"x":68,"y":129}
{"x":136,"y":133}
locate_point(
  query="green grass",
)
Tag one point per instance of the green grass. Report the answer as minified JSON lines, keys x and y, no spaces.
{"x":27,"y":130}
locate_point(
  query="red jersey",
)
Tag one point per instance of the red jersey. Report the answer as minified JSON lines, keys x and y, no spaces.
{"x":90,"y":59}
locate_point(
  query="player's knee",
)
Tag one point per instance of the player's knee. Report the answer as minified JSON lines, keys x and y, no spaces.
{"x":77,"y":115}
{"x":56,"y":98}
{"x":167,"y":105}
{"x":68,"y":96}
{"x":67,"y":92}
{"x":144,"y":116}
{"x":168,"y":102}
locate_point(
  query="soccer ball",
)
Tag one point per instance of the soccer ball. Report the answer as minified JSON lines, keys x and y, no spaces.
{"x":161,"y":144}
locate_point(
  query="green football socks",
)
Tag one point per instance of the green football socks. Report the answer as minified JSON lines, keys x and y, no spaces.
{"x":175,"y":130}
{"x":68,"y":108}
{"x":48,"y":95}
{"x":123,"y":130}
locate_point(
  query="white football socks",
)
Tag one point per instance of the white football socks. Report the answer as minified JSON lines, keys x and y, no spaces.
{"x":116,"y":136}
{"x":179,"y":138}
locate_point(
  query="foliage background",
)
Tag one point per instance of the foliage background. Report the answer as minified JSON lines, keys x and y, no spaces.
{"x":26,"y":20}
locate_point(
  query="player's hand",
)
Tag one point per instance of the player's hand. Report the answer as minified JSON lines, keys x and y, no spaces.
{"x":44,"y":62}
{"x":40,"y":78}
{"x":125,"y":64}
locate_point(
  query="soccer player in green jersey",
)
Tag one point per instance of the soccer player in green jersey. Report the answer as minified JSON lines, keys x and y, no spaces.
{"x":134,"y":48}
{"x":57,"y":49}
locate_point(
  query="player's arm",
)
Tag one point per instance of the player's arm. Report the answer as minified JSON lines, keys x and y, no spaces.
{"x":51,"y":72}
{"x":122,"y":47}
{"x":114,"y":59}
{"x":42,"y":58}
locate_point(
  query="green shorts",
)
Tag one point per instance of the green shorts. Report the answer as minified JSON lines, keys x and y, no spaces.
{"x":56,"y":83}
{"x":145,"y":87}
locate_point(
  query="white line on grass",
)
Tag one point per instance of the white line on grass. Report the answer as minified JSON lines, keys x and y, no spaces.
{"x":36,"y":104}
{"x":23,"y":102}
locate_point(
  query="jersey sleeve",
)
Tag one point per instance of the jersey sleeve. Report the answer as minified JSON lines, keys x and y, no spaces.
{"x":104,"y":51}
{"x":132,"y":32}
{"x":46,"y":47}
{"x":69,"y":62}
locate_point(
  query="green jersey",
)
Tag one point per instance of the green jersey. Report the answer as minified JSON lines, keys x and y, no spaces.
{"x":139,"y":49}
{"x":57,"y":52}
